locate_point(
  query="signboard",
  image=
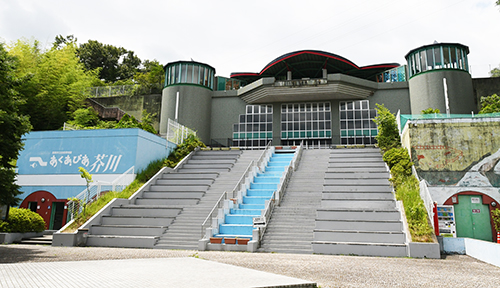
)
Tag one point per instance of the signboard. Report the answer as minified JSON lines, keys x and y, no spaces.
{"x":476,"y":211}
{"x":475,"y":200}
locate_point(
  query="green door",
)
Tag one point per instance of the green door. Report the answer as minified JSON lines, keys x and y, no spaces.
{"x":473,"y":218}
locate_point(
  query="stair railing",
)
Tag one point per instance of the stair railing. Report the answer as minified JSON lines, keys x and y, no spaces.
{"x":215,"y":213}
{"x":278,"y":194}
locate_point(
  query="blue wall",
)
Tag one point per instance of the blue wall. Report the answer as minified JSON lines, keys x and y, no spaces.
{"x":104,"y":153}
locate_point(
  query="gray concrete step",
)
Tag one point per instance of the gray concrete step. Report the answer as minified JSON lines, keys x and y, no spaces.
{"x":121,"y":241}
{"x":359,"y":236}
{"x":357,"y":204}
{"x":357,"y":214}
{"x":357,"y":225}
{"x":333,"y":195}
{"x":361,"y":249}
{"x":132,"y":220}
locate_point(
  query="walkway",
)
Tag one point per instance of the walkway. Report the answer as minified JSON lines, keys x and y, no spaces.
{"x":325,"y":270}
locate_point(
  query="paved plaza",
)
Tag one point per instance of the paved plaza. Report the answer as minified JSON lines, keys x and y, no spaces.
{"x":46,"y":266}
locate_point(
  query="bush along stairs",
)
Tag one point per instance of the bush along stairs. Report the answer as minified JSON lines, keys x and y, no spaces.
{"x":358,"y":213}
{"x":238,"y":222}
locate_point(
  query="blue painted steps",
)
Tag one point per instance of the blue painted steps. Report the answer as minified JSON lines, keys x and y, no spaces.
{"x":239,"y":221}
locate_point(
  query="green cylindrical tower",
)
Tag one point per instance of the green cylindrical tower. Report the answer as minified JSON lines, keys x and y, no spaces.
{"x":439,"y":74}
{"x":187,"y":97}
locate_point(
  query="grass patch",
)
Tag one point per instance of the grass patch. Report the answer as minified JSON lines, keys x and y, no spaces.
{"x":97,"y":205}
{"x":416,"y":214}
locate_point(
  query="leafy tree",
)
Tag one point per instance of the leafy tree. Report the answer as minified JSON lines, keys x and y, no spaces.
{"x":431,"y":111}
{"x":388,"y":133}
{"x":61,"y":41}
{"x":490,"y":104}
{"x":151,"y":76}
{"x":56,"y":83}
{"x":12,"y":127}
{"x":88,"y":179}
{"x":116,"y":63}
{"x":495,"y":72}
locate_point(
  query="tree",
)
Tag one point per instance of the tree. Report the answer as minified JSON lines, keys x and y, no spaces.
{"x":115,"y":63}
{"x":490,"y":104}
{"x":388,"y":133}
{"x":495,"y":72}
{"x":12,"y":127}
{"x":56,"y":82}
{"x":88,"y":179}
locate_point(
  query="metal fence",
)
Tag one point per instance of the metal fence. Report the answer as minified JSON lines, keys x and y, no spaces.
{"x":96,"y":189}
{"x":176,"y":133}
{"x":124,"y":90}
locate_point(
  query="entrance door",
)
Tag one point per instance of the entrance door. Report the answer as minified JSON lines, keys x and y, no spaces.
{"x":56,"y":218}
{"x":473,"y":218}
{"x":32,"y":206}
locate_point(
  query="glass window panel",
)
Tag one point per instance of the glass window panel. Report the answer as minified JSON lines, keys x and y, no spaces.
{"x":196,"y":72}
{"x":296,"y":126}
{"x":308,"y":126}
{"x":342,"y":106}
{"x":315,"y":126}
{"x":290,"y":126}
{"x":423,"y":61}
{"x":321,"y":125}
{"x":302,"y":126}
{"x":249,"y":127}
{"x":302,"y":116}
{"x":430,"y":59}
{"x":328,"y":125}
{"x":269,"y":117}
{"x":350,"y":124}
{"x":295,"y":108}
{"x":302,"y":107}
{"x":308,"y":107}
{"x":314,"y":107}
{"x":327,"y":116}
{"x":269,"y":108}
{"x":357,"y":124}
{"x":242,"y":118}
{"x":327,"y":106}
{"x":365,"y":114}
{"x":343,"y":124}
{"x":446,"y":57}
{"x":269,"y":127}
{"x":357,"y":114}
{"x":453,"y":55}
{"x":242,"y":128}
{"x":283,"y":126}
{"x":320,"y":107}
{"x":236,"y":128}
{"x":290,"y":108}
{"x":283,"y":117}
{"x":366,"y":123}
{"x":315,"y":116}
{"x":256,"y":127}
{"x":296,"y":117}
{"x":364,"y":105}
{"x":283,"y":108}
{"x":350,"y":115}
{"x":249,"y":119}
{"x":263,"y":127}
{"x":343,"y":115}
{"x":321,"y":115}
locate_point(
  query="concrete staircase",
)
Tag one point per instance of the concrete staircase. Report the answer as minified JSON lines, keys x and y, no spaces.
{"x":291,"y":227}
{"x":141,"y":222}
{"x":358,"y":213}
{"x":185,"y":231}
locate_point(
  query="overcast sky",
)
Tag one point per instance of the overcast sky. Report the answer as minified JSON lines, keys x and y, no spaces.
{"x":243,"y":36}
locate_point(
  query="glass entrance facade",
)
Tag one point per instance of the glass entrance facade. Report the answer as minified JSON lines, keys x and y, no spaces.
{"x":310,"y":122}
{"x":255,"y":127}
{"x":356,"y":123}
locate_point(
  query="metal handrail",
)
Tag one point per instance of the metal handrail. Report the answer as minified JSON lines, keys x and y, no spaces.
{"x":261,"y":157}
{"x":224,"y":197}
{"x":210,"y":215}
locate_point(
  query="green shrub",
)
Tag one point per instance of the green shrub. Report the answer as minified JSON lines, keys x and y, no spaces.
{"x":22,"y":220}
{"x":181,"y":151}
{"x":388,"y":133}
{"x":399,"y":162}
{"x":496,"y":219}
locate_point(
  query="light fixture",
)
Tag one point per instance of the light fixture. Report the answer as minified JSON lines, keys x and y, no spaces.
{"x":43,"y":200}
{"x":494,"y":204}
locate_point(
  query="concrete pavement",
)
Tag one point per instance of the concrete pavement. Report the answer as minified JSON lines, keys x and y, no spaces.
{"x":47,"y":266}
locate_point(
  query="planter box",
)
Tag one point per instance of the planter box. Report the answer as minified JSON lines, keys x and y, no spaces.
{"x":215,"y":240}
{"x":243,"y":241}
{"x":230,"y":241}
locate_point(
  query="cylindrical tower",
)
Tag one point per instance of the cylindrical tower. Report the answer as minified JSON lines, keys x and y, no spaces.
{"x":187,"y":97}
{"x":428,"y":66}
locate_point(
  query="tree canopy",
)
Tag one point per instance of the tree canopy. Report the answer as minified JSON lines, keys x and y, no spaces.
{"x":12,"y":127}
{"x":55,"y":82}
{"x":490,"y":104}
{"x":115,"y":63}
